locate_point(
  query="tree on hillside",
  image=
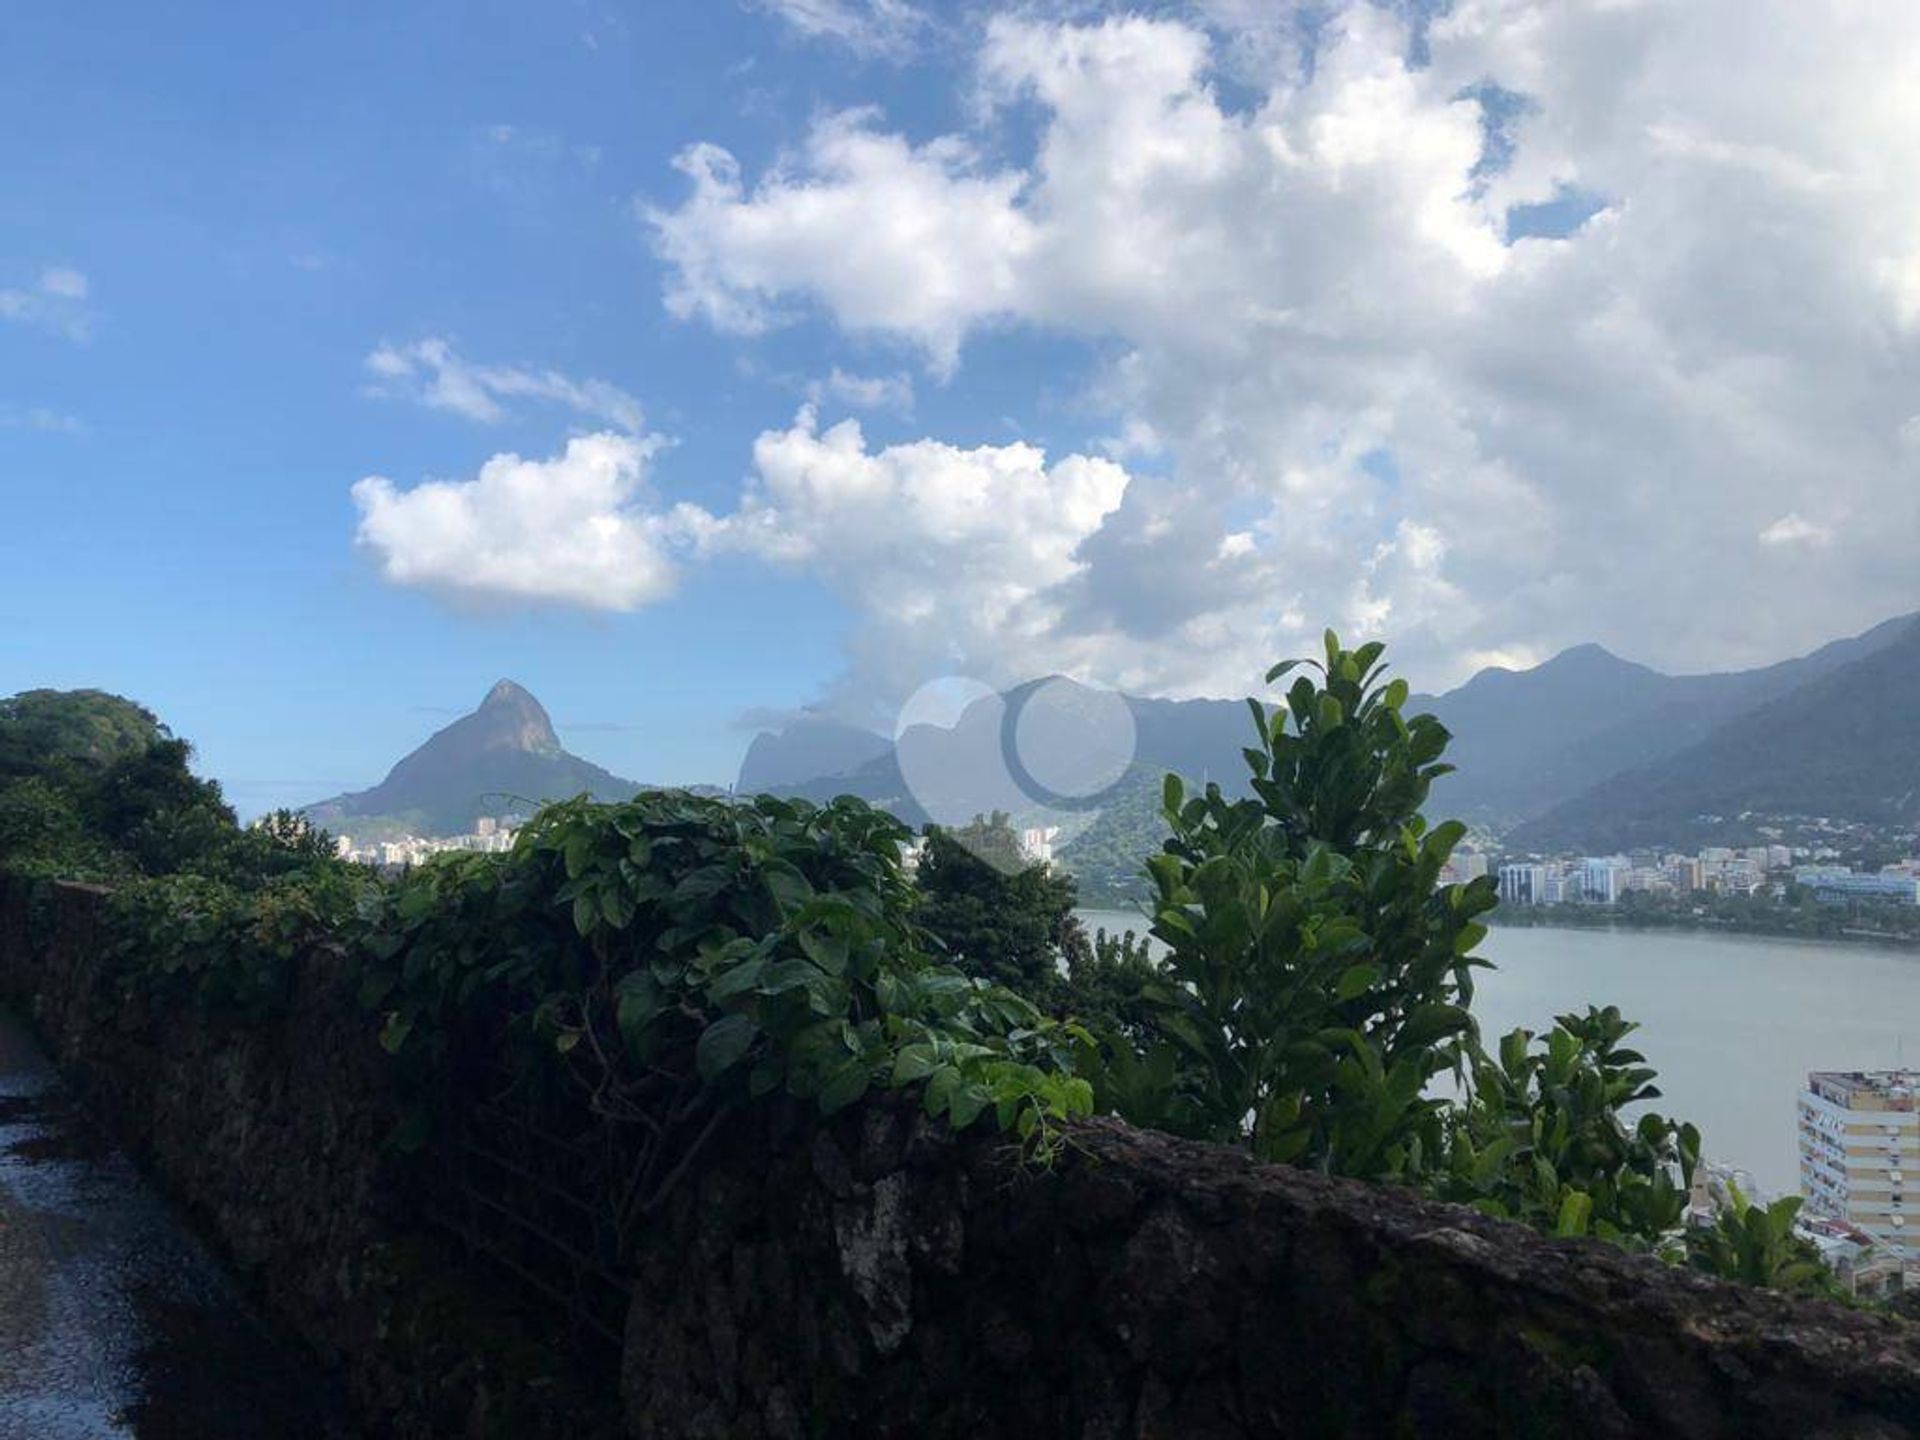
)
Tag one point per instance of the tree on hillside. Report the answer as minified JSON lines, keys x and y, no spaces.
{"x":999,"y":915}
{"x":45,"y":730}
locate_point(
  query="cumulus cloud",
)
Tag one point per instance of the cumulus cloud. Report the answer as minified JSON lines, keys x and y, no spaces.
{"x":889,"y":236}
{"x":945,"y":552}
{"x":1373,"y":403}
{"x":949,"y":555}
{"x":575,"y":529}
{"x":56,"y":301}
{"x":429,"y":373}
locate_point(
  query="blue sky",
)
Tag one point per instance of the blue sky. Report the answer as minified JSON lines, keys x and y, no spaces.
{"x":258,"y":196}
{"x":1171,"y":333}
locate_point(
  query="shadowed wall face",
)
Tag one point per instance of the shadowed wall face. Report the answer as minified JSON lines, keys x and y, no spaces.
{"x":879,"y":1276}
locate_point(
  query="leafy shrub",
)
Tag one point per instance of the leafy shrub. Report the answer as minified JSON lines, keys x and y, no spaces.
{"x":995,"y":913}
{"x":1317,"y":974}
{"x":194,"y":938}
{"x":1757,"y":1244}
{"x":759,"y":946}
{"x":1541,"y":1138}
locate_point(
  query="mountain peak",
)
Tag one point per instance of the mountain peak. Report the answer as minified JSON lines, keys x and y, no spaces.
{"x":500,"y":759}
{"x":506,"y":692}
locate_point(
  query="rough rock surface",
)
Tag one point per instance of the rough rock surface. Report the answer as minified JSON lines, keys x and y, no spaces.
{"x":879,"y":1277}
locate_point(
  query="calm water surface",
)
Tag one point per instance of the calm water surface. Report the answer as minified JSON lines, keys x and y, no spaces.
{"x":1732,"y":1022}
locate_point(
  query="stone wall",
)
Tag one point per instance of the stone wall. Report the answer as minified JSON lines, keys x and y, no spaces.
{"x":880,"y":1277}
{"x":877,"y":1276}
{"x":273,"y":1137}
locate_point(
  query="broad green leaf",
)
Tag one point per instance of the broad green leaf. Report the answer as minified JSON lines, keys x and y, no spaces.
{"x":723,"y":1044}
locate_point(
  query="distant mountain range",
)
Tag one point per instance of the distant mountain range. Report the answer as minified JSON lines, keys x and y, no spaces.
{"x":1843,"y":744}
{"x":1529,"y":741}
{"x":1586,"y":750}
{"x":503,"y":760}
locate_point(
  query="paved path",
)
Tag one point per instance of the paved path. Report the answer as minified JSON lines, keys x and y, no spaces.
{"x":114,"y":1319}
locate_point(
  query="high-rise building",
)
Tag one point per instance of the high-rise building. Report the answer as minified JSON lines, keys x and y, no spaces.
{"x":1860,"y":1155}
{"x":1523,"y":884}
{"x":1600,"y":878}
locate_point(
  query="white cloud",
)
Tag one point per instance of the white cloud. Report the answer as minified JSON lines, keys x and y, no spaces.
{"x":1301,"y":289}
{"x":866,"y":392}
{"x":1791,"y":529}
{"x":56,"y":302}
{"x":430,"y":373}
{"x":888,"y":236}
{"x":868,"y":27}
{"x":574,"y":529}
{"x":948,"y":555}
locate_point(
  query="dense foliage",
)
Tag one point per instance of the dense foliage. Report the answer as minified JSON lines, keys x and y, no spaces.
{"x":1541,"y":1136}
{"x":1313,"y":1002}
{"x":766,"y":945}
{"x":1315,"y":998}
{"x":1105,"y":858}
{"x":93,"y":787}
{"x":1316,"y":976}
{"x":996,"y":913}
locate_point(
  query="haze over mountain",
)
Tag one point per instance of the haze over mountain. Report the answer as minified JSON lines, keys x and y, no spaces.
{"x":1525,"y":741}
{"x":805,"y":750}
{"x":1844,"y":745}
{"x":1584,"y":751}
{"x":503,"y":759}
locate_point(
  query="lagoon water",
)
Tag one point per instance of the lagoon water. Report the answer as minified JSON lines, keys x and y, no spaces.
{"x":1732,"y":1022}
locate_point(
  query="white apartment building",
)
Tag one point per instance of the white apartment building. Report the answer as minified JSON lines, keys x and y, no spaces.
{"x":1523,"y":884}
{"x":1860,"y":1155}
{"x":1036,"y":843}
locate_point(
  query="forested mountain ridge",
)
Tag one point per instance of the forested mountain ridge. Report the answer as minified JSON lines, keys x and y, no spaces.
{"x":1843,"y":745}
{"x":1525,"y":741}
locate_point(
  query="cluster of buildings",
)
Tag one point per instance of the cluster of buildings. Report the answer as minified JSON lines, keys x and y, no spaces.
{"x":1604,"y":879}
{"x":488,"y":836}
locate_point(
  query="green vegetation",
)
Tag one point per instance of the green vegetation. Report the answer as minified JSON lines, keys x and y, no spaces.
{"x":1313,"y":1004}
{"x":1105,"y":858}
{"x":762,"y":946}
{"x":92,"y":787}
{"x":1316,"y":976}
{"x":1756,"y":1244}
{"x":996,"y":914}
{"x":1319,"y":981}
{"x":1839,"y":746}
{"x":1540,"y":1137}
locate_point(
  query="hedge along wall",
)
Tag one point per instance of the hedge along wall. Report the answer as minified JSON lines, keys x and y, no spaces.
{"x":876,"y":1275}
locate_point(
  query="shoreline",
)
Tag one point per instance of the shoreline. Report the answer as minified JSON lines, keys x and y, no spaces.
{"x":1846,"y":934}
{"x":1616,"y":920}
